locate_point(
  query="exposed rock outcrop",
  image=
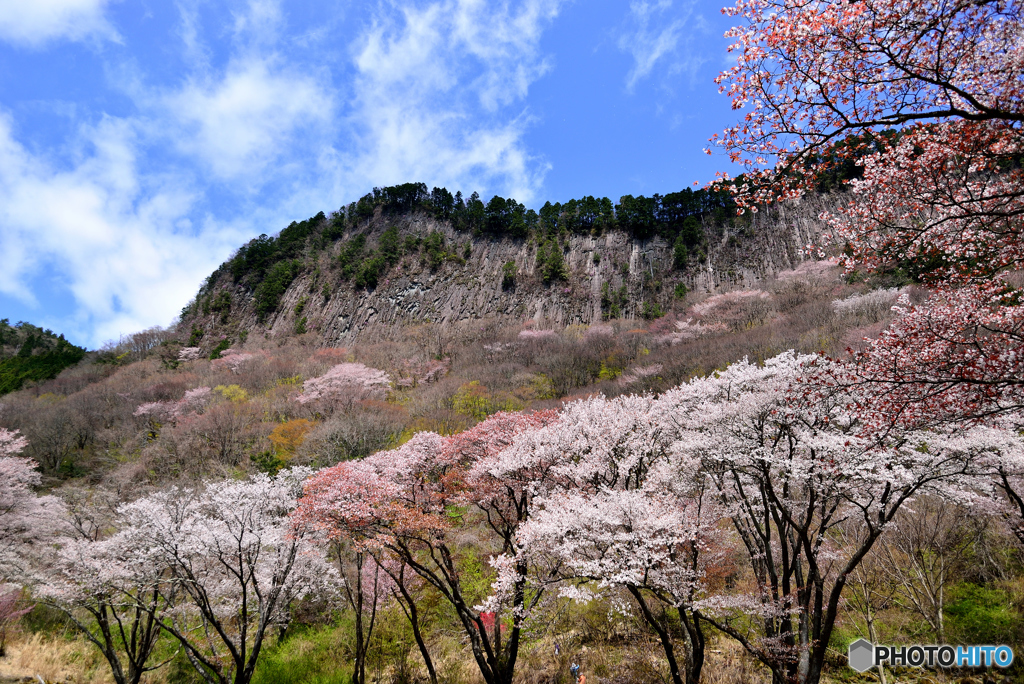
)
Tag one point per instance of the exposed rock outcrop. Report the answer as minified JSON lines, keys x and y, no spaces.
{"x":471,"y":283}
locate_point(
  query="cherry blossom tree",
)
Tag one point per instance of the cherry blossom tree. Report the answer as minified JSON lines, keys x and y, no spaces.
{"x":374,"y":508}
{"x":235,"y":359}
{"x":414,"y":501}
{"x":1006,"y":470}
{"x":60,"y":551}
{"x":506,"y":503}
{"x":91,"y":576}
{"x":611,"y":506}
{"x":11,"y":443}
{"x":347,"y":507}
{"x":236,"y":560}
{"x":793,"y":467}
{"x":344,"y":384}
{"x":933,"y":92}
{"x":26,"y":520}
{"x":811,"y":74}
{"x":193,"y":402}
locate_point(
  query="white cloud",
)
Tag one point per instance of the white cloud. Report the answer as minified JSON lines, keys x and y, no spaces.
{"x":259,"y":23}
{"x":438,"y":92}
{"x":245,"y":121}
{"x":108,"y":234}
{"x":130,"y":231}
{"x":35,"y":22}
{"x":657,"y":34}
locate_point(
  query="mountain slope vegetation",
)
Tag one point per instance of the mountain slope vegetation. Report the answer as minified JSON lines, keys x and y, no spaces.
{"x":404,"y":255}
{"x":31,"y":354}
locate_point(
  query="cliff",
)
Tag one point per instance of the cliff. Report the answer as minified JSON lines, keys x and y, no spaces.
{"x":435,"y":272}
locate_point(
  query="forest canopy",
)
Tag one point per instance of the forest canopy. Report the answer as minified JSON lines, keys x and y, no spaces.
{"x":668,"y":216}
{"x":30,"y":354}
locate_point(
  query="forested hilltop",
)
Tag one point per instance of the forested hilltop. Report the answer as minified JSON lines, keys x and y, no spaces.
{"x":29,"y":353}
{"x":403,"y":255}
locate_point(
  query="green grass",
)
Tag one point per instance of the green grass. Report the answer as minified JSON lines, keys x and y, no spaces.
{"x":982,"y":615}
{"x":316,"y":655}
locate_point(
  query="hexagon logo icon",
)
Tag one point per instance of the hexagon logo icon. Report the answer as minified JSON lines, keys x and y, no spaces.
{"x":861,"y":655}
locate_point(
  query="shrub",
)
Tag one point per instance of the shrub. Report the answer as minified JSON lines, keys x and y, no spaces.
{"x":477,"y":401}
{"x":370,"y":271}
{"x":268,"y":294}
{"x":550,"y":263}
{"x":288,"y":437}
{"x":434,"y":246}
{"x":652,"y":310}
{"x":233,"y":393}
{"x":680,"y":255}
{"x":351,"y":255}
{"x":389,"y":246}
{"x":221,"y":346}
{"x":509,"y":272}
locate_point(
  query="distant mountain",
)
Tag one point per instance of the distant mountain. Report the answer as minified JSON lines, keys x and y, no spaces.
{"x":29,"y":353}
{"x":404,"y":255}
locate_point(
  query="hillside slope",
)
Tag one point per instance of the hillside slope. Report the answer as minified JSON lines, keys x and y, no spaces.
{"x":374,"y":269}
{"x":29,"y":353}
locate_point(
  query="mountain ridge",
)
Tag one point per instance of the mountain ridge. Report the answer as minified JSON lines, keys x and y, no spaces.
{"x":394,"y":259}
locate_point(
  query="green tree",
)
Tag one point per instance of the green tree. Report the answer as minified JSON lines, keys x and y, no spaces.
{"x":476,"y":213}
{"x":509,"y":272}
{"x":550,"y":263}
{"x":680,"y":255}
{"x":389,"y":246}
{"x":268,"y":293}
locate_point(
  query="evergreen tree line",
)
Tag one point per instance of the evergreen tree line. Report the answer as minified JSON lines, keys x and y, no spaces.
{"x":641,"y":217}
{"x":266,"y":266}
{"x":670,"y":216}
{"x":30,"y":354}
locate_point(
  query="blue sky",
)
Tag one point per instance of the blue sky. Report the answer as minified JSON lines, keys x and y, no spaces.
{"x":142,"y":141}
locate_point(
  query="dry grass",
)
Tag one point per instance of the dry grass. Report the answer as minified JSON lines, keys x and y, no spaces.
{"x":55,"y":660}
{"x":725,"y":662}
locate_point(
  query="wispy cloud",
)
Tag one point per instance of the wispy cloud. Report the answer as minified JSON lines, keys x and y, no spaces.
{"x":247,"y":119}
{"x":138,"y":208}
{"x":656,"y":35}
{"x":35,"y":22}
{"x":439,"y":92}
{"x":121,"y":242}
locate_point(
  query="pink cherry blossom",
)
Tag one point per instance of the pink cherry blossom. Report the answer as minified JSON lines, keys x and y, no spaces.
{"x":344,"y":384}
{"x":190,"y":353}
{"x":26,"y":520}
{"x":193,"y":402}
{"x":235,"y":561}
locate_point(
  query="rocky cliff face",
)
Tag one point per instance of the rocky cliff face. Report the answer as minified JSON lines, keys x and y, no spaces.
{"x":605,"y":274}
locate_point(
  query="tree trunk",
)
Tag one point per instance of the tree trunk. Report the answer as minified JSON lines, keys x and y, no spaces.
{"x":356,"y":601}
{"x":873,"y":637}
{"x":663,"y":635}
{"x":694,"y":643}
{"x":409,"y":608}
